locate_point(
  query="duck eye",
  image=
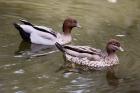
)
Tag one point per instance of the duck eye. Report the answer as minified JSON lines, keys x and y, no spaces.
{"x":116,"y":44}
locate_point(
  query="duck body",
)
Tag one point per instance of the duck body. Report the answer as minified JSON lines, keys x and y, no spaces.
{"x":101,"y":62}
{"x":44,"y":35}
{"x":88,"y":56}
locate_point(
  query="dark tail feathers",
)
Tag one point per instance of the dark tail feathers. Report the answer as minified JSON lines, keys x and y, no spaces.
{"x":60,"y":47}
{"x":16,"y":26}
{"x":26,"y":22}
{"x":25,"y":36}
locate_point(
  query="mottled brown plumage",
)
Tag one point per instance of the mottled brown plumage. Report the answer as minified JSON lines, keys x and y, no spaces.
{"x":92,"y":57}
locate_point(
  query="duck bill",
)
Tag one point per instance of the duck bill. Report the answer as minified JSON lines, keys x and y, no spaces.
{"x":78,"y":25}
{"x":121,"y":49}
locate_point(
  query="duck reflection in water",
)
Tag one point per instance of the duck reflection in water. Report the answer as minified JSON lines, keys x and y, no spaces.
{"x":27,"y":50}
{"x":111,"y":77}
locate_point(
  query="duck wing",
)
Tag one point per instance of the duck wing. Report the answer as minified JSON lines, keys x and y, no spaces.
{"x":26,"y":22}
{"x":39,"y":28}
{"x":40,"y":39}
{"x":78,"y":51}
{"x":83,"y":49}
{"x":46,"y":30}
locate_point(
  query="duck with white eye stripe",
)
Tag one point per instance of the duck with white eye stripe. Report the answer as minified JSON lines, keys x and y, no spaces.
{"x":92,"y":57}
{"x":44,"y":35}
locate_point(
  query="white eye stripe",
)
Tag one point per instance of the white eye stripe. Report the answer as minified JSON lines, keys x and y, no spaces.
{"x":115,"y":46}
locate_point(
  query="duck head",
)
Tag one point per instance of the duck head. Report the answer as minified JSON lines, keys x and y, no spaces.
{"x":113,"y":45}
{"x":68,"y":24}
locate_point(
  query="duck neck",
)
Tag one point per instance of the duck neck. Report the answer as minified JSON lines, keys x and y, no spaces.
{"x":66,"y":30}
{"x":110,"y":51}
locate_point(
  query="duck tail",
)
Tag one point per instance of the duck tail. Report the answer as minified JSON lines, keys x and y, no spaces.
{"x":25,"y":36}
{"x":26,"y":22}
{"x":17,"y":26}
{"x":60,"y":47}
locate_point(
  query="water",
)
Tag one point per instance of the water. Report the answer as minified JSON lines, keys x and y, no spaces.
{"x":100,"y":20}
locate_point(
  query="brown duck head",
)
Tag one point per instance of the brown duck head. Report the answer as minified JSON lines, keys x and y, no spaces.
{"x":68,"y":24}
{"x":113,"y":45}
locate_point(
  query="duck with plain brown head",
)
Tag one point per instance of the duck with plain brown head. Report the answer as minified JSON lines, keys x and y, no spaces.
{"x":44,"y":35}
{"x":68,"y":24}
{"x":92,"y":57}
